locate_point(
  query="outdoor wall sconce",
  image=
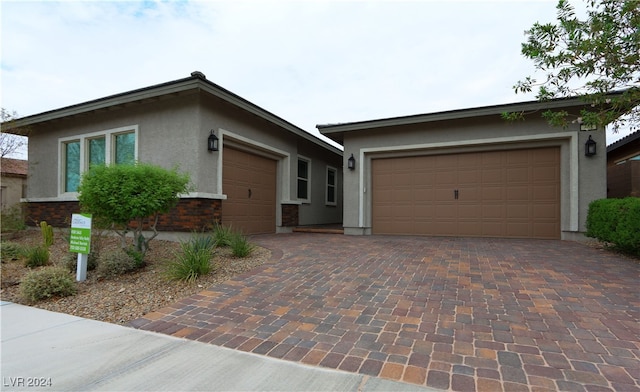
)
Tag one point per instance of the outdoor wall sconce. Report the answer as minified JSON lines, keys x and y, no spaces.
{"x":351,"y":163}
{"x":212,"y":142}
{"x":590,"y":147}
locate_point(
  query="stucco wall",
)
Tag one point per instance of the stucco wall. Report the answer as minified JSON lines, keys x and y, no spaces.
{"x":318,"y":212}
{"x":163,"y":139}
{"x":172,"y":132}
{"x":12,"y":191}
{"x":583,"y":179}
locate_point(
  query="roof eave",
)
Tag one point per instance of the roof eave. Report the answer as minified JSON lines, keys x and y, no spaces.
{"x":174,"y":87}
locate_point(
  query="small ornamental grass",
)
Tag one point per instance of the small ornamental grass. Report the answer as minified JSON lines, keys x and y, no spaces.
{"x":240,"y":245}
{"x":36,"y":256}
{"x":47,"y":283}
{"x":11,"y":251}
{"x":222,"y":235}
{"x":238,"y":242}
{"x":193,"y":260}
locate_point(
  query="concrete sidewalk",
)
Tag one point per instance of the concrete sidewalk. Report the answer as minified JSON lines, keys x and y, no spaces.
{"x":63,"y":352}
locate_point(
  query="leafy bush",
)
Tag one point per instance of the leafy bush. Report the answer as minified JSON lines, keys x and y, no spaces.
{"x":46,"y":283}
{"x":11,"y":250}
{"x":36,"y":256}
{"x":193,"y":261}
{"x":127,"y":196}
{"x":116,"y":262}
{"x":12,"y":220}
{"x":70,"y":262}
{"x":240,"y":245}
{"x":616,"y":221}
{"x":138,"y":257}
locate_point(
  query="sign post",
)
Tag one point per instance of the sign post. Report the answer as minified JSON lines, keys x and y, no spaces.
{"x":81,"y":242}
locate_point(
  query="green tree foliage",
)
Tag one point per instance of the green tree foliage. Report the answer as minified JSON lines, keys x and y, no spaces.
{"x":130,"y":196}
{"x":597,"y":58}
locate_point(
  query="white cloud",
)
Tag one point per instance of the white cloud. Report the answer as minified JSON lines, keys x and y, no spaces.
{"x":308,"y":62}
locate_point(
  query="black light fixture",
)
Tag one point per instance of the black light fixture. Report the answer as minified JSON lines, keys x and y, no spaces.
{"x":351,"y":163}
{"x":212,"y":142}
{"x":590,"y":147}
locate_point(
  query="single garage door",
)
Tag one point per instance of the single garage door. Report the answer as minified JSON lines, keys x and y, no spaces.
{"x":249,"y":181}
{"x":514,"y":193}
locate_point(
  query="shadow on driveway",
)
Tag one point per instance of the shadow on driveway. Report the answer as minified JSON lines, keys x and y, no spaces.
{"x":450,"y":313}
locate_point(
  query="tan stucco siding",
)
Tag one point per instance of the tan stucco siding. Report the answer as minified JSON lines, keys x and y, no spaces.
{"x":12,"y":191}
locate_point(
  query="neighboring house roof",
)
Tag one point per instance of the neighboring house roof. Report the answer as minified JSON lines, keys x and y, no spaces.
{"x":14,"y":167}
{"x":336,"y":131}
{"x":624,"y":141}
{"x":197,"y":80}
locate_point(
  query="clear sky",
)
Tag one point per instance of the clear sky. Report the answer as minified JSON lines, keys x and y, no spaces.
{"x":309,"y":62}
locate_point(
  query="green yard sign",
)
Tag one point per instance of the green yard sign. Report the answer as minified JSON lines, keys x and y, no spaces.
{"x":80,"y":233}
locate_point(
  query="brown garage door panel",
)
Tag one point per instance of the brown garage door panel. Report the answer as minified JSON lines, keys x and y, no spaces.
{"x":249,"y":181}
{"x":513,"y":193}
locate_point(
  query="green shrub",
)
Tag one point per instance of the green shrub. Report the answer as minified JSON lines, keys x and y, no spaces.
{"x":12,"y":220}
{"x":11,"y":250}
{"x":203,"y":241}
{"x":46,"y":283}
{"x":616,"y":221}
{"x":240,"y":245}
{"x":70,"y":262}
{"x":138,"y":257}
{"x":222,"y":235}
{"x":116,"y":262}
{"x":36,"y":256}
{"x":193,"y":260}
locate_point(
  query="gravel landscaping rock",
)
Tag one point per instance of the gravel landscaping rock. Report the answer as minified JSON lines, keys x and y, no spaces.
{"x":126,"y":297}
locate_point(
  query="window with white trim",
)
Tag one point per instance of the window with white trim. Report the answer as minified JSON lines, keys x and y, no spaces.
{"x":332,"y":186}
{"x":79,"y":153}
{"x":304,"y":179}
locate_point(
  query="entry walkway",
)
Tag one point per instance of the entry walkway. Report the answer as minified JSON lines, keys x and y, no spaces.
{"x":449,"y":313}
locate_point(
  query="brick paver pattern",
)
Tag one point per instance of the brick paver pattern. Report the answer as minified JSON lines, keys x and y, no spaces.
{"x":457,"y":314}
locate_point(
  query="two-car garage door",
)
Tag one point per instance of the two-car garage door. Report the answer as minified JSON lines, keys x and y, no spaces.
{"x":512,"y":193}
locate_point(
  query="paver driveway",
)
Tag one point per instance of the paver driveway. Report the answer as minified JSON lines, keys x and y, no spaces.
{"x":452,"y":313}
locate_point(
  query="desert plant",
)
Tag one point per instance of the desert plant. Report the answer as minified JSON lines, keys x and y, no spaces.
{"x":202,"y":241}
{"x":47,"y":233}
{"x":11,"y":250}
{"x":240,"y":245}
{"x":36,"y":256}
{"x":12,"y":220}
{"x":193,"y":260}
{"x":222,"y":234}
{"x":138,"y":257}
{"x":70,"y":261}
{"x":116,"y":262}
{"x":46,"y":283}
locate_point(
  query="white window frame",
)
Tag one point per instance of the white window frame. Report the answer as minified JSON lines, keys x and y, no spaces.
{"x":334,"y":185}
{"x":109,"y":153}
{"x":308,"y":179}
